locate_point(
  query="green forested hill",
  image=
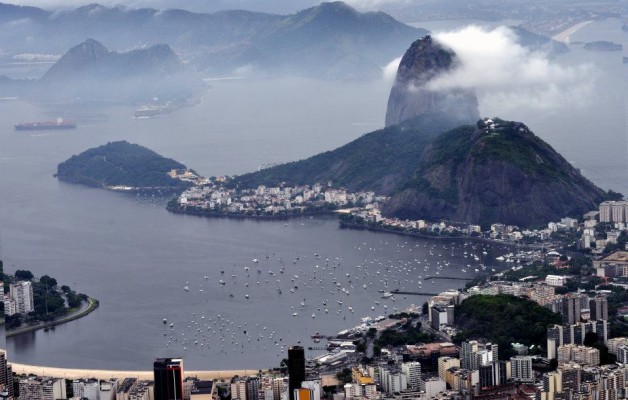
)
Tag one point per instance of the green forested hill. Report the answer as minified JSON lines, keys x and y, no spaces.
{"x":504,"y":319}
{"x":120,"y":164}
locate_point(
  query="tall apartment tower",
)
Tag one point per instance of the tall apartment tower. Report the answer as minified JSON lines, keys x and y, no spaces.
{"x":521,"y":369}
{"x":570,"y":309}
{"x":296,"y":369}
{"x":6,"y":374}
{"x":252,"y":388}
{"x":168,"y":378}
{"x":598,"y":307}
{"x":413,"y":374}
{"x":22,"y":293}
{"x":467,"y":356}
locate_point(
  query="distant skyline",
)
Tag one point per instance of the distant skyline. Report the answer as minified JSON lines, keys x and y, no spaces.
{"x":270,"y":6}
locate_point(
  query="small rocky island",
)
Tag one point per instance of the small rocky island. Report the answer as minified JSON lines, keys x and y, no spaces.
{"x":603,"y":45}
{"x":125,"y":166}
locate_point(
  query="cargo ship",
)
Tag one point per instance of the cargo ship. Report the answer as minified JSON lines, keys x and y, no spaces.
{"x":60,"y":123}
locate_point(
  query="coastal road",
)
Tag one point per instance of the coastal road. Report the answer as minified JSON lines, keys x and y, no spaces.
{"x":86,"y":308}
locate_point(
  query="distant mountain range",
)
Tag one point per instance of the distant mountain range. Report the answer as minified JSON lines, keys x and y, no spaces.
{"x":331,"y":40}
{"x":89,"y":71}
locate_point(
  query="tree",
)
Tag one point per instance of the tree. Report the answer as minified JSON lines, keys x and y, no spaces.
{"x":48,"y":281}
{"x":360,"y":347}
{"x":23,"y":275}
{"x":377,"y":351}
{"x":345,"y":376}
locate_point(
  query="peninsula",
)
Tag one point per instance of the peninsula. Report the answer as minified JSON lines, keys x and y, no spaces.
{"x":41,"y":303}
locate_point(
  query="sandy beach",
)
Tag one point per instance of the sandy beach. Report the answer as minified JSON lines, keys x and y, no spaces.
{"x":564,"y":35}
{"x":70,"y":373}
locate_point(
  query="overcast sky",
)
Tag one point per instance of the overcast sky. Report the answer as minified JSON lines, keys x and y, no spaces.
{"x":276,"y":6}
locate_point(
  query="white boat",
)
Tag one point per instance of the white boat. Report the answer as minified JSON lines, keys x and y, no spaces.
{"x":186,"y":288}
{"x":386,"y":295}
{"x":295,"y":314}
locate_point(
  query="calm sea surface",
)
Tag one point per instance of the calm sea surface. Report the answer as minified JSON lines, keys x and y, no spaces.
{"x":137,"y":259}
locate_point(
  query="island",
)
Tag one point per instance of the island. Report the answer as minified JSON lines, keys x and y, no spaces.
{"x":123,"y":166}
{"x":603,"y":45}
{"x":32,"y":303}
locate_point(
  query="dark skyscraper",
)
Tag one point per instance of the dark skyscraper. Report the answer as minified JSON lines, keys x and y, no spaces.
{"x":296,"y":368}
{"x":168,"y":378}
{"x":598,"y":308}
{"x":570,"y":309}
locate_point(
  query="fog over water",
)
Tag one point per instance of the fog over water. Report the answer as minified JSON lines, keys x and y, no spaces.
{"x":136,"y":258}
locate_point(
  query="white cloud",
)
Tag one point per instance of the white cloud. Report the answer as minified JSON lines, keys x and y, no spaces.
{"x":371,"y":5}
{"x":507,"y":75}
{"x":389,"y":72}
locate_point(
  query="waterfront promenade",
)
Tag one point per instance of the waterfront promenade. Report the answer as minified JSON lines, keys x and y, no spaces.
{"x":86,"y":308}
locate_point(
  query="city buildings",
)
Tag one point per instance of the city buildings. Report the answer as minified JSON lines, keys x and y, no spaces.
{"x":521,"y":369}
{"x":614,"y":211}
{"x":168,"y":374}
{"x":296,"y":369}
{"x":20,"y":298}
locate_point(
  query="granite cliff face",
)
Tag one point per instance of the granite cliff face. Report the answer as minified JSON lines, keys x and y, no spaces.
{"x":495,"y":171}
{"x":409,"y":97}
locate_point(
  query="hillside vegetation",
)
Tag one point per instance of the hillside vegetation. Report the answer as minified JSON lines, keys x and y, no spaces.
{"x":504,"y":319}
{"x":121,"y":164}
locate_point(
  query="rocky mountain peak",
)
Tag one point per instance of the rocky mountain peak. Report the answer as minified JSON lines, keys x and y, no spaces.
{"x":79,"y":59}
{"x":410,"y":97}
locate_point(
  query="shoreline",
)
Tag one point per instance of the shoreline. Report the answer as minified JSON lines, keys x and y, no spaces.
{"x":77,"y":373}
{"x":350,"y":225}
{"x":176,"y":210}
{"x":92,"y":305}
{"x":564,"y":36}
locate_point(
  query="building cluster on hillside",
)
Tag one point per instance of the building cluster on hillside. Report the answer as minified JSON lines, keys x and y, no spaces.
{"x":604,"y":227}
{"x":19,"y":300}
{"x":499,"y":232}
{"x":615,"y":213}
{"x":217,"y":198}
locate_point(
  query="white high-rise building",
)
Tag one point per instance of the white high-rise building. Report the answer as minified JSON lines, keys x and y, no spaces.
{"x":86,"y":389}
{"x":315,"y":386}
{"x":392,"y":382}
{"x":10,"y":306}
{"x":412,"y":370}
{"x":107,"y":389}
{"x":238,"y":389}
{"x":521,"y":369}
{"x":42,"y":389}
{"x":22,"y":293}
